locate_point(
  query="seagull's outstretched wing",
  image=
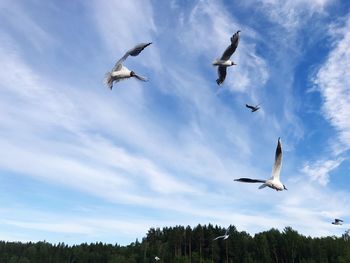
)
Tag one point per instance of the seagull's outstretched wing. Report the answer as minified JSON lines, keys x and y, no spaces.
{"x":250,"y":107}
{"x":231,"y":48}
{"x":338,"y":220}
{"x":248,"y":180}
{"x":222,"y":75}
{"x":138,"y":48}
{"x":132,"y":52}
{"x":276,"y":170}
{"x":218,"y":237}
{"x":226,"y":233}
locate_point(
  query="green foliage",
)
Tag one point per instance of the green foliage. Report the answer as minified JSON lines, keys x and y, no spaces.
{"x":186,"y":245}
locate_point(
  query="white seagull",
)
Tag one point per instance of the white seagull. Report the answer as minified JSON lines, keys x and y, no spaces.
{"x":274,"y":182}
{"x":337,"y":222}
{"x":120,"y":72}
{"x":156,"y":258}
{"x":225,"y":61}
{"x":224,"y":236}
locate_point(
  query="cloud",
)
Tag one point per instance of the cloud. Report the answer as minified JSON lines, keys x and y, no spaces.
{"x":78,"y":159}
{"x":319,"y":171}
{"x":72,"y":228}
{"x":291,"y":14}
{"x":15,"y":17}
{"x":333,"y":82}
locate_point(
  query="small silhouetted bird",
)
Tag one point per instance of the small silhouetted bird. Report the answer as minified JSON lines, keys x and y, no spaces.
{"x":253,"y":108}
{"x":337,"y":221}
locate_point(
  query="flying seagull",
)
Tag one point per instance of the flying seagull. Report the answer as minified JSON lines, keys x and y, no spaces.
{"x":224,"y":236}
{"x":337,"y":221}
{"x":253,"y":108}
{"x":225,"y":61}
{"x":120,"y":72}
{"x":274,"y":182}
{"x":156,"y":258}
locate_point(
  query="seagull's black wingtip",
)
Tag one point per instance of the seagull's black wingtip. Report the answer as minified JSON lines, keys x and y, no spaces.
{"x":219,"y":82}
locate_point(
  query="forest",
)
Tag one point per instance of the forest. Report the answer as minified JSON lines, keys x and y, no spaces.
{"x":190,"y":245}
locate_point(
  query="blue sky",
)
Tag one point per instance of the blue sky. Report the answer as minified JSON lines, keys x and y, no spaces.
{"x":81,"y":163}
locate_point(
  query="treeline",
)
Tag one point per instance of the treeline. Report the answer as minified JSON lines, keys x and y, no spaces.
{"x":183,"y":244}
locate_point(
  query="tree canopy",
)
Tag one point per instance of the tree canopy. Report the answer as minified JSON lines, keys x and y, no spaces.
{"x":183,"y":244}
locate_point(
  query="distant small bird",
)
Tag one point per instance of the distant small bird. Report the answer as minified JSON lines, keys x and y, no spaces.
{"x":226,"y":236}
{"x":337,"y":221}
{"x":156,"y":258}
{"x":225,"y":61}
{"x":120,"y":72}
{"x":274,"y":182}
{"x":253,"y":108}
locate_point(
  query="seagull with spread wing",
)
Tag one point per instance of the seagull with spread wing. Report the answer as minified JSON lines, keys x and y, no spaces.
{"x":225,"y":61}
{"x":253,"y":108}
{"x":274,"y":182}
{"x":226,"y":236}
{"x":337,"y":221}
{"x":120,"y":72}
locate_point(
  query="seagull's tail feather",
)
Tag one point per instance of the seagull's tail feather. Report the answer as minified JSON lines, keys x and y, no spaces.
{"x":108,"y":81}
{"x":140,"y":78}
{"x":262,"y":186}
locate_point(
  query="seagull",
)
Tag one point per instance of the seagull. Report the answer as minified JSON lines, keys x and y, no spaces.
{"x":253,"y":108}
{"x":274,"y":182}
{"x":156,"y":258}
{"x":225,"y":61}
{"x":120,"y":72}
{"x":337,"y":221}
{"x":224,"y":236}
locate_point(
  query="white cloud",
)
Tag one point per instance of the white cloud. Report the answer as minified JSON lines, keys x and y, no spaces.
{"x":71,"y":228}
{"x":319,"y":171}
{"x":333,"y":81}
{"x":17,"y":18}
{"x":291,"y":13}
